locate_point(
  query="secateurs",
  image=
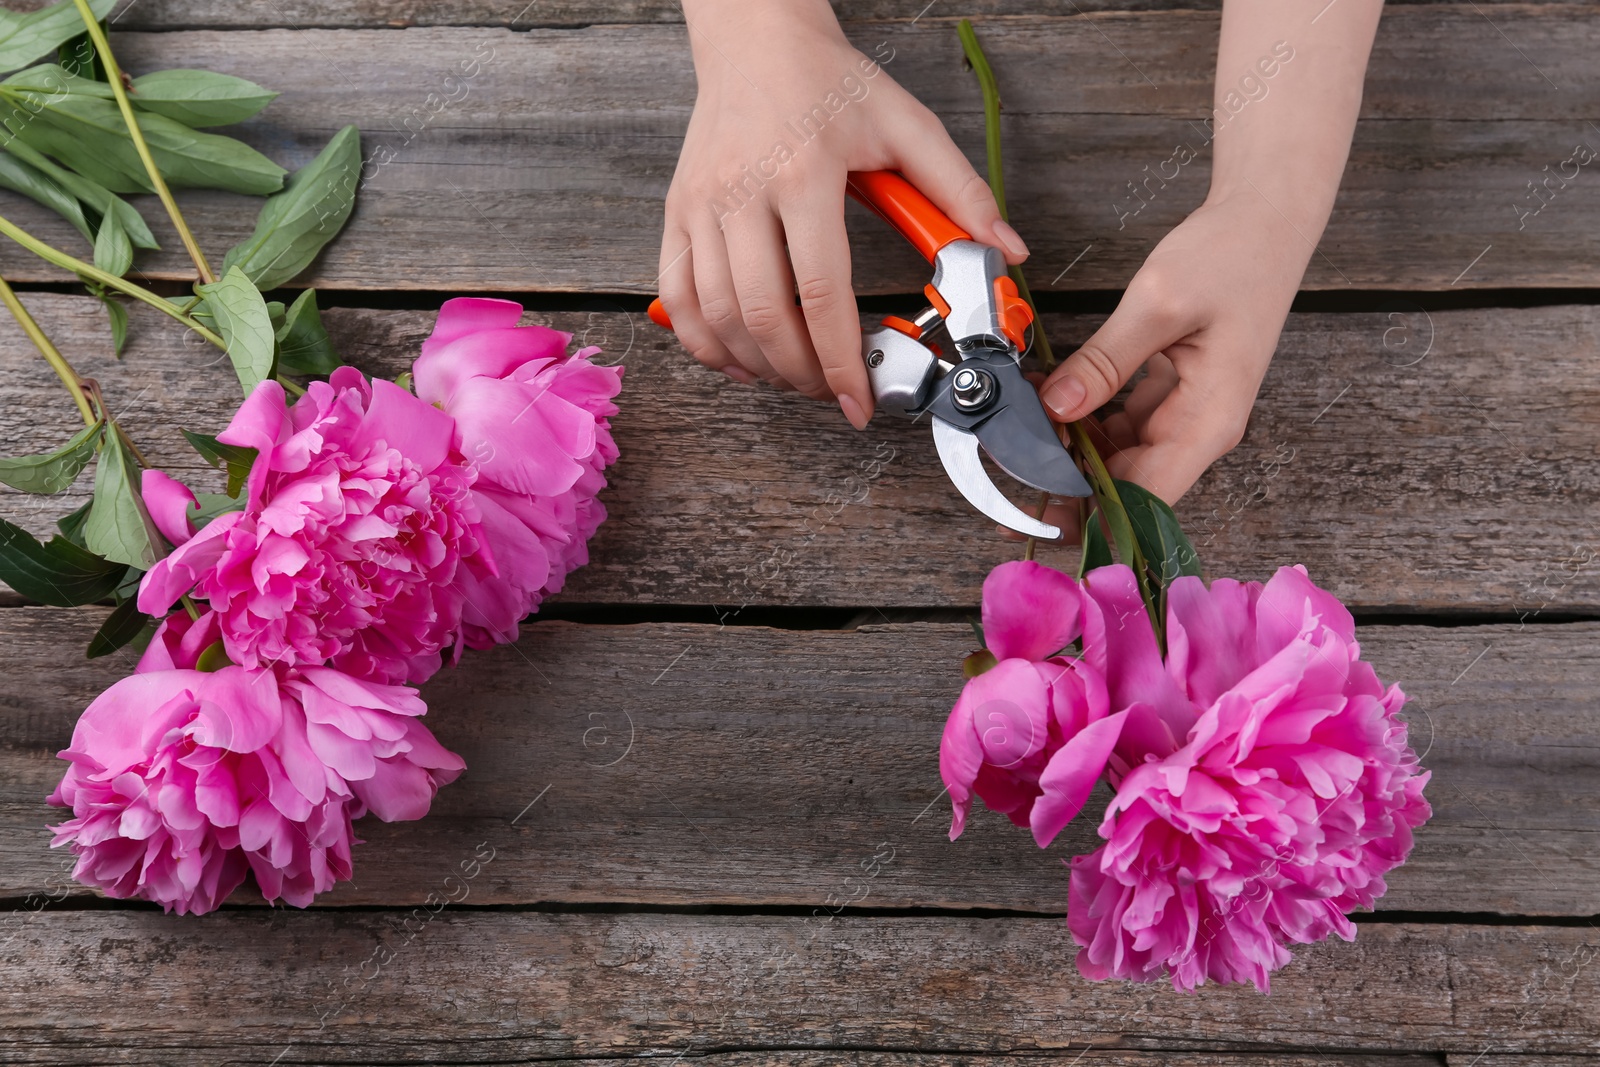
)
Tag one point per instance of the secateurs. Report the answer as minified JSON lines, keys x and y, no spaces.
{"x":981,"y":398}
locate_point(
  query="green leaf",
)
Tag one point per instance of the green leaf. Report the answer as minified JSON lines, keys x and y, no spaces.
{"x":1167,"y":551}
{"x":92,"y":193}
{"x":1096,"y":550}
{"x":121,"y":627}
{"x":50,"y":79}
{"x":313,"y":207}
{"x":199,"y":97}
{"x":113,"y":252}
{"x":245,"y":325}
{"x":235,"y":458}
{"x":71,"y":524}
{"x":33,"y":183}
{"x":119,"y":324}
{"x":214,"y":504}
{"x":118,"y":527}
{"x":87,"y":134}
{"x":303,"y":345}
{"x":78,"y":56}
{"x":57,"y":572}
{"x":26,"y":37}
{"x":54,"y":471}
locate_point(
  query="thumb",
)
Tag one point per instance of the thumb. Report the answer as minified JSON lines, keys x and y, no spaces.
{"x":1092,"y":375}
{"x":931,"y":161}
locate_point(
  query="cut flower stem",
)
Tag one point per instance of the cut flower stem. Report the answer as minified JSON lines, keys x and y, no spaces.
{"x":106,"y":278}
{"x":114,"y":78}
{"x":1105,"y":487}
{"x":52,"y":355}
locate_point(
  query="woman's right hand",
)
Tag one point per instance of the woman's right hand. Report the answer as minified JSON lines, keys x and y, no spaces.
{"x":786,"y":108}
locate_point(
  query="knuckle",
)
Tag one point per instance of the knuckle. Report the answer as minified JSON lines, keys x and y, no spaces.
{"x":763,"y":317}
{"x":1228,"y":429}
{"x":976,"y":193}
{"x":819,"y":292}
{"x":1160,"y":298}
{"x":721,"y":314}
{"x":1098,"y":370}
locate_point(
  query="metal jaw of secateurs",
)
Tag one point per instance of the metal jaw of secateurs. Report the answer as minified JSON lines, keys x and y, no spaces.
{"x":982,"y":398}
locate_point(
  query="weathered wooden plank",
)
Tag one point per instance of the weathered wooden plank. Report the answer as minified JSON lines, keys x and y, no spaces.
{"x":458,"y":985}
{"x":680,"y":764}
{"x":545,"y":168}
{"x":56,"y":1056}
{"x":293,"y":14}
{"x":1488,"y":1059}
{"x":1457,"y":483}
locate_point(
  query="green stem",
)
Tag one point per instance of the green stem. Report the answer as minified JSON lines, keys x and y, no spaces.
{"x":114,"y":77}
{"x":1105,"y":487}
{"x":294,"y":388}
{"x":89,"y":270}
{"x":991,"y":109}
{"x":51,"y":354}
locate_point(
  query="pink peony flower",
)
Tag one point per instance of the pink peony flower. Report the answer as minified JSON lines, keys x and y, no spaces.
{"x":1031,"y":735}
{"x":535,"y":424}
{"x":1263,"y":783}
{"x":350,"y":548}
{"x":182,"y":781}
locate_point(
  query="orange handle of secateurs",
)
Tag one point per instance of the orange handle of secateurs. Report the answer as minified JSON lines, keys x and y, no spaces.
{"x":897,"y":202}
{"x":902,"y":205}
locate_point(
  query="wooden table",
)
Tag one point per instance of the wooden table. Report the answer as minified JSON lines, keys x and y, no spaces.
{"x":731,"y":716}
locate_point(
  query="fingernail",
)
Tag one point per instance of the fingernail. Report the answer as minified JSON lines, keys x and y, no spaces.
{"x":740,"y":375}
{"x":1009,"y":238}
{"x":853,"y":412}
{"x":1064,"y":396}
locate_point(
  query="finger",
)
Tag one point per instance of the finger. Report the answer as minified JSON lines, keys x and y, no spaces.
{"x":820,"y":251}
{"x":765,"y":291}
{"x":1188,"y":432}
{"x":719,"y":302}
{"x":1137,"y":329}
{"x":1121,"y":432}
{"x":1160,"y":378}
{"x":678,"y":296}
{"x":930,"y":160}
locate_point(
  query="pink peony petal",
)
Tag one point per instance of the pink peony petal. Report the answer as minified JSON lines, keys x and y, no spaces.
{"x":1030,"y":611}
{"x":176,"y":574}
{"x":1119,"y":641}
{"x":1070,"y":776}
{"x":465,"y":315}
{"x":169,"y":502}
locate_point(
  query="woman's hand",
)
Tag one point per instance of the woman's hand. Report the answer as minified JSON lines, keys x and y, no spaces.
{"x":1204,"y":313}
{"x":1202,"y":316}
{"x":786,"y":107}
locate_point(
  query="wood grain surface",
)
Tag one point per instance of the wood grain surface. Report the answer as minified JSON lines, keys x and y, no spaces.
{"x":525,"y":14}
{"x":1413,"y":461}
{"x":466,"y":985}
{"x":690,"y":765}
{"x":545,"y":167}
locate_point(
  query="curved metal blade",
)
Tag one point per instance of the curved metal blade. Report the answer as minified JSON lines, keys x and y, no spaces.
{"x":958,"y":451}
{"x":1020,"y":438}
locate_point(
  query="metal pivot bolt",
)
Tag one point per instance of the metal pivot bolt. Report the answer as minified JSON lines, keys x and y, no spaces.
{"x":972,"y":388}
{"x":875,"y":358}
